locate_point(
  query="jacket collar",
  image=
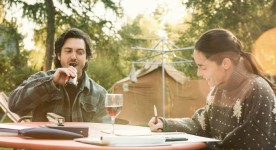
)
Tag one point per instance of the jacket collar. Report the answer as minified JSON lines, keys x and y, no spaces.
{"x":85,"y":82}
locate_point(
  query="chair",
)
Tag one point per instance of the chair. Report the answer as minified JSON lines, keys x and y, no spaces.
{"x":16,"y":118}
{"x":7,"y":113}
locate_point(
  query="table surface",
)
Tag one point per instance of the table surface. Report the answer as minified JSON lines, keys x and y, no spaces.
{"x":15,"y":141}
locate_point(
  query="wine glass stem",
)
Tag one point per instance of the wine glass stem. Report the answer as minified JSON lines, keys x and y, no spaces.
{"x":113,"y":121}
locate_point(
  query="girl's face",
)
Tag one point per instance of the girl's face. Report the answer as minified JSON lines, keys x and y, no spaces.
{"x":213,"y":73}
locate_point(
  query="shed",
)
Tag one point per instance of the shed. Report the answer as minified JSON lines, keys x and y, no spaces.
{"x":182,"y":95}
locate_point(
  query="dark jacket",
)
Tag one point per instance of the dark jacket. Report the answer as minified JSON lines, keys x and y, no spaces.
{"x":39,"y":95}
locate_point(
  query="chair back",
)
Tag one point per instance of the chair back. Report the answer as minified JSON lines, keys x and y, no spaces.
{"x":4,"y":106}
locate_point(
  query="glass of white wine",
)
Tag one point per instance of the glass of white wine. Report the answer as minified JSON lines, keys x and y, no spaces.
{"x":113,"y":105}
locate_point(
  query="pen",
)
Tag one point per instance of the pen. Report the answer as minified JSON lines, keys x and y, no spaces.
{"x":155,"y":114}
{"x":172,"y":139}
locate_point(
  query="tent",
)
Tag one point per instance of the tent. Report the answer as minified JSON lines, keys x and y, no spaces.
{"x":182,"y":96}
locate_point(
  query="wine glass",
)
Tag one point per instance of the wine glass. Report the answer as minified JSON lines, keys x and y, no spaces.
{"x":113,"y":105}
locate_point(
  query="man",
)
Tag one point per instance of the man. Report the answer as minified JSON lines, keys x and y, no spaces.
{"x":52,"y":91}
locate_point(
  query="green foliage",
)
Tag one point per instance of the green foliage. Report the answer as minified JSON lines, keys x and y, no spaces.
{"x":141,"y":32}
{"x":103,"y":72}
{"x":247,"y":19}
{"x":14,"y":63}
{"x":113,"y":53}
{"x":64,"y":14}
{"x":36,"y":11}
{"x":14,"y":70}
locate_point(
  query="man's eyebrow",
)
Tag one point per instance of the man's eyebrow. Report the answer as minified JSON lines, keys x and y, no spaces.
{"x":67,"y":48}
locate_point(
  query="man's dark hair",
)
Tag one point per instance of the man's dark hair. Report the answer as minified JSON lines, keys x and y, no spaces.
{"x":72,"y":33}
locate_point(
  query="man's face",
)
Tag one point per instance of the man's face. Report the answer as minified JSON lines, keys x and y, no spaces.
{"x":73,"y":52}
{"x":213,"y":73}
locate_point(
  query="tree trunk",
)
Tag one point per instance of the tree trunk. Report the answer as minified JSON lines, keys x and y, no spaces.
{"x":273,"y":7}
{"x":48,"y":59}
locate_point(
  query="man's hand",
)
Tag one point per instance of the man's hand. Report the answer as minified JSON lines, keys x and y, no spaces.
{"x":61,"y":76}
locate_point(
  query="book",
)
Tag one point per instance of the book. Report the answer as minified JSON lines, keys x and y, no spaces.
{"x":83,"y":130}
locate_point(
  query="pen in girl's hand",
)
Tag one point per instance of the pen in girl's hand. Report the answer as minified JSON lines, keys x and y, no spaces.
{"x":155,"y":114}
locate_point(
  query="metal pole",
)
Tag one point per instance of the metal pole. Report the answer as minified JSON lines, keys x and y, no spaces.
{"x":163,"y":80}
{"x":163,"y":52}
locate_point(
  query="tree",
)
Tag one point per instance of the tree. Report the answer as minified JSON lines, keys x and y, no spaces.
{"x":14,"y":62}
{"x":50,"y":38}
{"x":114,"y":56}
{"x":247,"y":19}
{"x":46,"y":13}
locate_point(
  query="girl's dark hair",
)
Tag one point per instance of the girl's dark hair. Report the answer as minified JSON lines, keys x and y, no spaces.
{"x":217,"y":44}
{"x":72,"y":33}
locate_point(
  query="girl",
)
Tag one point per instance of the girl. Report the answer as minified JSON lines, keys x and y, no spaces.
{"x":240,"y":109}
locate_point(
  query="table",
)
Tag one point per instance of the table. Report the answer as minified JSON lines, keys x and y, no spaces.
{"x":95,"y":129}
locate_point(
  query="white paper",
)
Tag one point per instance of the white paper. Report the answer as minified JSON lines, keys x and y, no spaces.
{"x":150,"y":139}
{"x":132,"y":140}
{"x":125,"y":141}
{"x":140,"y":132}
{"x":147,"y":132}
{"x":94,"y":141}
{"x":11,"y":128}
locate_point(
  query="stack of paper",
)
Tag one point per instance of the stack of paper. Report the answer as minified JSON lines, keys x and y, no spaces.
{"x":144,"y":138}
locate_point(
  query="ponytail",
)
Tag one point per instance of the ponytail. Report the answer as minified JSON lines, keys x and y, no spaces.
{"x":253,"y":66}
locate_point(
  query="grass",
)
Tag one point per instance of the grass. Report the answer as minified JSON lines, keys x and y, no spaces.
{"x":6,"y":120}
{"x":3,"y":148}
